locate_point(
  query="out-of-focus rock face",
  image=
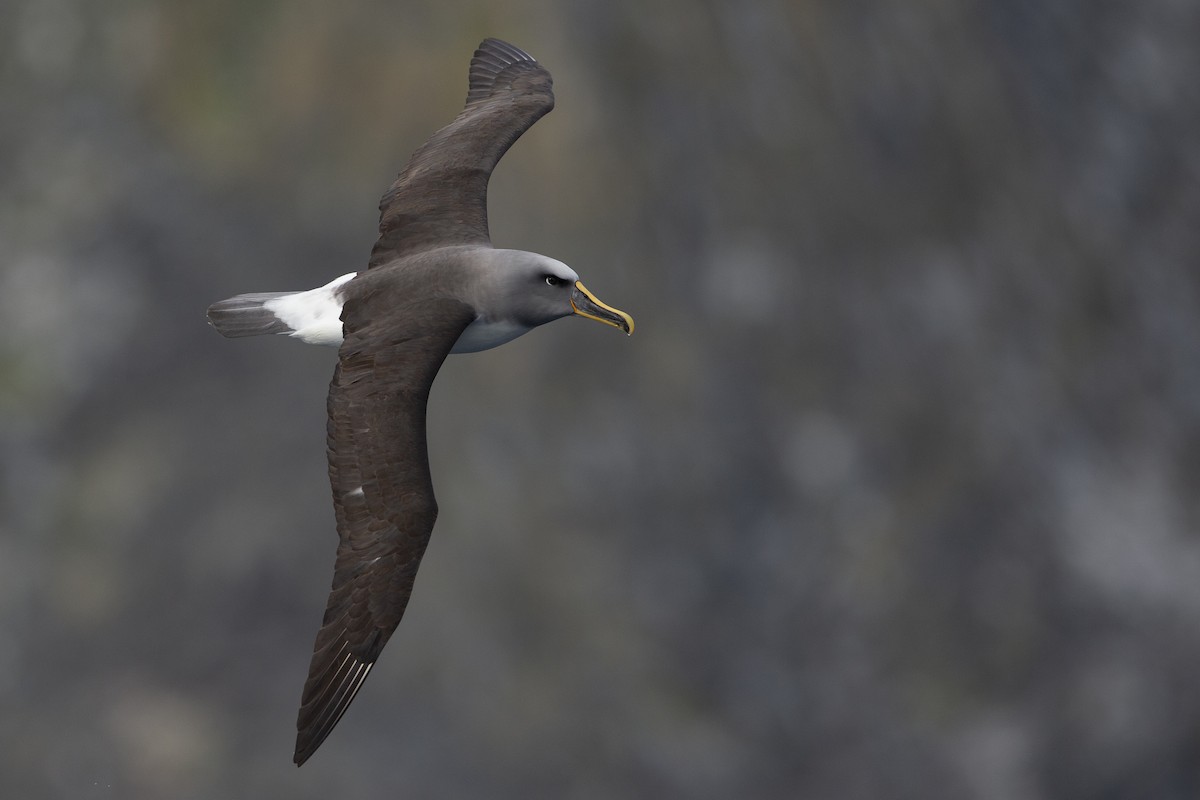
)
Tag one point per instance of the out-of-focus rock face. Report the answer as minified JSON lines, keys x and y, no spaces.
{"x":893,"y":493}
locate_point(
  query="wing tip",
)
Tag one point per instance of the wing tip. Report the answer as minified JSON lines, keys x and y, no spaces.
{"x":493,"y":57}
{"x":335,"y":676}
{"x":498,"y":47}
{"x":325,"y":716}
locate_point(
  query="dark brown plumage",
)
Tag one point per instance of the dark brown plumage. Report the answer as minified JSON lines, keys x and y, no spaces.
{"x":382,"y":492}
{"x":441,"y":196}
{"x":395,"y":341}
{"x":435,"y":286}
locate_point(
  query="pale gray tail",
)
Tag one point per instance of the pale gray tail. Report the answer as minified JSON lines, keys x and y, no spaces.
{"x":244,"y":315}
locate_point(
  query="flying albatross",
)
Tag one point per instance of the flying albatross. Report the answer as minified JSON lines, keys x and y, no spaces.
{"x":434,"y":286}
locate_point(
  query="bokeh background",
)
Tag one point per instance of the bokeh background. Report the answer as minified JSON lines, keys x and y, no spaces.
{"x":893,"y":494}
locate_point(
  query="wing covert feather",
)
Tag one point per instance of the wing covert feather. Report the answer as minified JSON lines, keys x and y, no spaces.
{"x":440,"y":198}
{"x":382,"y":493}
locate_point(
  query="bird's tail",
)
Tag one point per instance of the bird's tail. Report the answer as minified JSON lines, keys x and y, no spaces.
{"x":246,"y":315}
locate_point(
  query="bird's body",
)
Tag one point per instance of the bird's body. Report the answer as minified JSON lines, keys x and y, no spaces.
{"x":434,"y":286}
{"x":466,"y":271}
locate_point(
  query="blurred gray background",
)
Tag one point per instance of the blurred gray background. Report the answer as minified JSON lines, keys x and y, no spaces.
{"x":893,"y":493}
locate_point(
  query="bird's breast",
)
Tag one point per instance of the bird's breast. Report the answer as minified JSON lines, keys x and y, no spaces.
{"x":484,"y":334}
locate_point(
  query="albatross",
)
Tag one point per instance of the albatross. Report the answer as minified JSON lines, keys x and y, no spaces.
{"x":434,"y":285}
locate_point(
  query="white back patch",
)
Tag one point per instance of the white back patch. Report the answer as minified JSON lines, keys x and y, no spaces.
{"x":314,"y":316}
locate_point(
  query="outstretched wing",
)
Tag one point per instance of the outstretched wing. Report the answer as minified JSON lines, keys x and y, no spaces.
{"x":382,"y":492}
{"x":440,"y":198}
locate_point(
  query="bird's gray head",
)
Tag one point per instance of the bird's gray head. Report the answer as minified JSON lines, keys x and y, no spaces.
{"x":531,"y":290}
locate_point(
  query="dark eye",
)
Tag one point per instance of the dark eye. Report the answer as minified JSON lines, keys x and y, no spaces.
{"x":551,"y":280}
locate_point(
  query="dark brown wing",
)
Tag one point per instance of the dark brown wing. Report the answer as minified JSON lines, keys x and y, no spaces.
{"x":382,"y":492}
{"x":440,"y":198}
